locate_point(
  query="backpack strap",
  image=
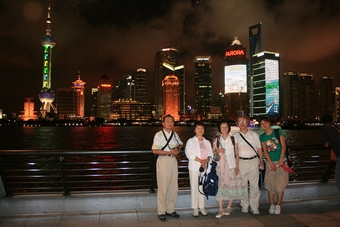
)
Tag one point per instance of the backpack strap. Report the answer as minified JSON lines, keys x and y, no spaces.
{"x":277,"y":135}
{"x":233,"y":140}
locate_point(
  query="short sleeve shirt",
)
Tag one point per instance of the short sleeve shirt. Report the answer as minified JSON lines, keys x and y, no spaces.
{"x":159,"y":141}
{"x":244,"y":150}
{"x":273,"y":144}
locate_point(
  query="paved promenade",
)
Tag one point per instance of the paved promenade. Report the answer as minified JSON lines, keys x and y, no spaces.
{"x":325,"y":212}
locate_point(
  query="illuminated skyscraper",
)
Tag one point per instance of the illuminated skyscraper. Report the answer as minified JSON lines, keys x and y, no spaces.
{"x":337,"y":105}
{"x":104,"y":98}
{"x":255,"y":47}
{"x":299,"y":100}
{"x":326,"y":96}
{"x":266,"y":84}
{"x":78,"y":85}
{"x":171,"y":95}
{"x":94,"y":94}
{"x":46,"y":95}
{"x":141,"y":85}
{"x":67,"y":103}
{"x":235,"y":80}
{"x":291,"y":105}
{"x":306,"y":96}
{"x":167,"y":63}
{"x":203,"y":84}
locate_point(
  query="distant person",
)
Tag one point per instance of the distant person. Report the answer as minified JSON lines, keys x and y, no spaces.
{"x":276,"y":179}
{"x":331,"y":137}
{"x":167,"y":144}
{"x":249,"y":149}
{"x":231,"y":185}
{"x":198,"y":150}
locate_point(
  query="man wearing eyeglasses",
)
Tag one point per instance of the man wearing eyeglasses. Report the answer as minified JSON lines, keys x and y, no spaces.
{"x":166,"y":144}
{"x":248,"y":145}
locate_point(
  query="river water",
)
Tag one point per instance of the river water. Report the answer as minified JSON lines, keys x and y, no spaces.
{"x":116,"y":138}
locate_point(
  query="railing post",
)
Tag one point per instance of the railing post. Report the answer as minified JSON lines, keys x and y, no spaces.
{"x":63,"y":175}
{"x":4,"y":187}
{"x":153,"y":173}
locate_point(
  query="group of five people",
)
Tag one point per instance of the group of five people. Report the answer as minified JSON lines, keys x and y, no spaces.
{"x":241,"y":159}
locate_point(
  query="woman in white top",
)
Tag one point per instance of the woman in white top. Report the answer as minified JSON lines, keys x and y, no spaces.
{"x":230,"y":183}
{"x":197,"y":150}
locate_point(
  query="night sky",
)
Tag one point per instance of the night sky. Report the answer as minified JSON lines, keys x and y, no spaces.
{"x":116,"y":37}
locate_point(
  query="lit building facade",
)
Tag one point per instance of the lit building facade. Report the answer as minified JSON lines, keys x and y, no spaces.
{"x":171,"y":96}
{"x":67,"y":103}
{"x":94,"y":94}
{"x":79,"y":86}
{"x":336,"y":116}
{"x":28,"y":113}
{"x":291,"y":105}
{"x":132,"y":110}
{"x":141,"y":85}
{"x":255,"y":47}
{"x":46,"y":95}
{"x":306,"y":96}
{"x":125,"y":89}
{"x":104,"y":98}
{"x":167,"y":63}
{"x":326,"y":98}
{"x":266,"y":84}
{"x":203,"y":85}
{"x":235,"y":80}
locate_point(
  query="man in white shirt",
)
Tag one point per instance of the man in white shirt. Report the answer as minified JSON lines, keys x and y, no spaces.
{"x":166,"y":144}
{"x":249,"y":163}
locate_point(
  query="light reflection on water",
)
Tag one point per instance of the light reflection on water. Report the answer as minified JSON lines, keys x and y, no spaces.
{"x":115,"y":138}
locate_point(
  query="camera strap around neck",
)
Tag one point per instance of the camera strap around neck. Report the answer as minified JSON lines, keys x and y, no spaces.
{"x":167,"y":140}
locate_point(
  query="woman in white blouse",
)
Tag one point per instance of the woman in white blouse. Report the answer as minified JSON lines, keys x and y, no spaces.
{"x":198,"y":150}
{"x":231,"y":185}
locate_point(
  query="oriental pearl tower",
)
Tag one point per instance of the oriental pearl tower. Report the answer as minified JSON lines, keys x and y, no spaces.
{"x":46,"y":95}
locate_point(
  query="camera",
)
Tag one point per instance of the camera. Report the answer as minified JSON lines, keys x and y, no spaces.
{"x":201,"y":169}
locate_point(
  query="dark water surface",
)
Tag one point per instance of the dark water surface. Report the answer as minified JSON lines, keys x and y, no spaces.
{"x":116,"y":138}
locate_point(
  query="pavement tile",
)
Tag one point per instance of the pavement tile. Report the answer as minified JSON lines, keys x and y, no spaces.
{"x":81,"y":219}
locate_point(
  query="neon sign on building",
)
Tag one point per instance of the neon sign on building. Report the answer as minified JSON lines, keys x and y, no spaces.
{"x":231,"y":53}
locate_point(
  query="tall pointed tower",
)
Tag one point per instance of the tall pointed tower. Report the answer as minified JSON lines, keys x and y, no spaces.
{"x":46,"y":95}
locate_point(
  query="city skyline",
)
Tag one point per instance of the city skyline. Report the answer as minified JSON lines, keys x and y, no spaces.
{"x":118,"y":38}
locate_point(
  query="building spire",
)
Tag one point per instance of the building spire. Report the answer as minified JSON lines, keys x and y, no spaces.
{"x":48,"y":21}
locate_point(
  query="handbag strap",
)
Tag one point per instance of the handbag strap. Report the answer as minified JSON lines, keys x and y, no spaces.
{"x":250,"y":145}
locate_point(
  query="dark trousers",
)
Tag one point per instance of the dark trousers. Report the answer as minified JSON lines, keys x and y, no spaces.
{"x":328,"y":173}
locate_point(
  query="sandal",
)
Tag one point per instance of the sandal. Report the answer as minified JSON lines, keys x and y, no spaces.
{"x":227,"y":212}
{"x":220,"y":214}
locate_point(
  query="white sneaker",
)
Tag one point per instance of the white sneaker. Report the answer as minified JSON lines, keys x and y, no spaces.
{"x":203,"y":212}
{"x":195,"y":213}
{"x":272,"y":209}
{"x":277,"y":209}
{"x":245,"y":210}
{"x":255,"y":211}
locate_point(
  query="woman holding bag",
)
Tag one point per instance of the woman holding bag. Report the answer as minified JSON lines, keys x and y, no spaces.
{"x":198,"y":150}
{"x":231,"y":186}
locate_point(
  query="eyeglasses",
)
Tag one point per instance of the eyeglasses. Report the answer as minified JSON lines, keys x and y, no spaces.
{"x":241,"y":121}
